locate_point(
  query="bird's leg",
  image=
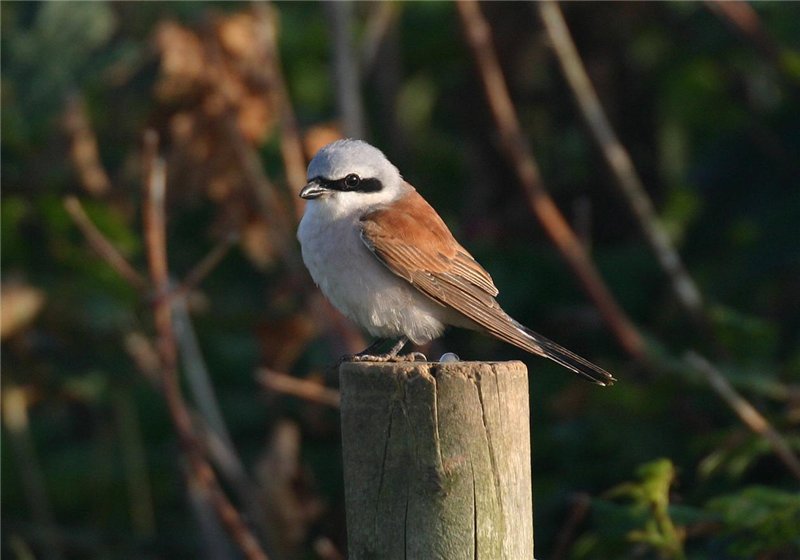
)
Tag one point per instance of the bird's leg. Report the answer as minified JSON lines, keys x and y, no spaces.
{"x":395,"y":356}
{"x":368,"y":356}
{"x":365,"y":353}
{"x":390,"y":356}
{"x":373,"y":347}
{"x":395,"y":350}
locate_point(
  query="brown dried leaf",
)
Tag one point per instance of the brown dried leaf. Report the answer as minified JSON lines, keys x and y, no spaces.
{"x":319,"y":136}
{"x":256,"y":243}
{"x":215,"y":82}
{"x":19,"y":306}
{"x":219,"y":72}
{"x":237,"y":35}
{"x":83,"y":150}
{"x":183,"y":62}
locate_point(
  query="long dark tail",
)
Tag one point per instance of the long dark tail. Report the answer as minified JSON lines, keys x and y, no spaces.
{"x":537,"y":344}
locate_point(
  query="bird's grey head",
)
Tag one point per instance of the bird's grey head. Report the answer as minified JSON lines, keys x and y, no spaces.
{"x":351,"y":174}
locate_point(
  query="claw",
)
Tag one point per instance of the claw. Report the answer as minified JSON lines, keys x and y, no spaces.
{"x":372,"y":358}
{"x":382,"y":358}
{"x":414,"y":357}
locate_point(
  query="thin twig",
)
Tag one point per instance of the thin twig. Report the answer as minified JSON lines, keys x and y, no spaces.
{"x":519,"y":154}
{"x":380,"y":22}
{"x":156,"y":242}
{"x":631,"y":186}
{"x":83,"y":148}
{"x":144,"y":355}
{"x":618,"y":159}
{"x":281,"y":475}
{"x":213,"y":539}
{"x":195,"y":371}
{"x":231,"y":468}
{"x":206,"y":266}
{"x":345,"y":68}
{"x":17,"y":422}
{"x":101,"y":245}
{"x":294,"y":160}
{"x":140,"y":493}
{"x":566,"y":536}
{"x":745,"y":411}
{"x":272,"y":206}
{"x":301,"y":388}
{"x":326,"y":550}
{"x":743,"y":18}
{"x":382,"y":68}
{"x":221,"y":453}
{"x":20,"y":548}
{"x":211,"y":426}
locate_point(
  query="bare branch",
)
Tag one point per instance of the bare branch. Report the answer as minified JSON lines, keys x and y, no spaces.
{"x":140,"y":490}
{"x":272,"y":206}
{"x":155,"y":238}
{"x":101,"y":245}
{"x":745,"y":411}
{"x":618,"y":159}
{"x":632,"y":188}
{"x":346,"y":72}
{"x":205,"y":267}
{"x":326,"y":550}
{"x":518,"y":152}
{"x":743,"y":19}
{"x":83,"y":148}
{"x":231,"y":468}
{"x":220,"y":452}
{"x":17,"y":422}
{"x":196,"y":373}
{"x":383,"y":17}
{"x":580,"y":508}
{"x":301,"y":388}
{"x":294,"y":160}
{"x":144,"y":355}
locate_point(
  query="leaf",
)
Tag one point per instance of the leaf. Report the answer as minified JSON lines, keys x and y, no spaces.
{"x":19,"y":306}
{"x":650,"y":497}
{"x":760,"y":520}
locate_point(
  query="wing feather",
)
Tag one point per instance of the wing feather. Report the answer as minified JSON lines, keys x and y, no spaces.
{"x":413,"y":238}
{"x":413,"y":243}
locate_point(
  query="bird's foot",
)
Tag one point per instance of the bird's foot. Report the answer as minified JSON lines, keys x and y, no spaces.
{"x":384,"y":358}
{"x":367,"y":358}
{"x":410,"y":357}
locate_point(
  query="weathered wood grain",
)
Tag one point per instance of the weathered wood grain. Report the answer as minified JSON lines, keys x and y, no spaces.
{"x":437,"y":461}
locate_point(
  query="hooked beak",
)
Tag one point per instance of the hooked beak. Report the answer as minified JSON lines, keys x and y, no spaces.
{"x":313,"y":190}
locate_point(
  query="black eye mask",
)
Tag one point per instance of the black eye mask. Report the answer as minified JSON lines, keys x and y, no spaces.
{"x":350,"y":183}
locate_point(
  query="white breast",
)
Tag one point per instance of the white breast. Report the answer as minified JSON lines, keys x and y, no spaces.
{"x":358,"y":284}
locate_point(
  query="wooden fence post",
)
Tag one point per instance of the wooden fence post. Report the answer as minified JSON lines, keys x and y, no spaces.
{"x":437,"y":460}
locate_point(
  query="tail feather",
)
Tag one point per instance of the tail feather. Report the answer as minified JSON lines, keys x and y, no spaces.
{"x":549,"y":349}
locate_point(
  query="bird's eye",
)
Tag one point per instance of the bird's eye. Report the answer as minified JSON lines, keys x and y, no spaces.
{"x":352,"y":181}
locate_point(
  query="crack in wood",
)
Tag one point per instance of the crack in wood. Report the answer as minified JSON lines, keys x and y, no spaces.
{"x":383,"y":467}
{"x":489,"y":440}
{"x":447,"y":431}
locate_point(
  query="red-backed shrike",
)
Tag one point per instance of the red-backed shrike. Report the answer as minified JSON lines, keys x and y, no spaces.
{"x":385,"y":259}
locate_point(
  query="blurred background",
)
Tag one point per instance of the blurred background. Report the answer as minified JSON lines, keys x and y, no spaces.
{"x":692,"y":454}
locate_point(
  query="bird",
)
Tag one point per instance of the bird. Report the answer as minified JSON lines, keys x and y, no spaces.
{"x":385,"y":259}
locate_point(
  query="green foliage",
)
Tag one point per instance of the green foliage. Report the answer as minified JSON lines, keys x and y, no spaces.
{"x":711,"y":123}
{"x":650,"y":502}
{"x":759,"y":521}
